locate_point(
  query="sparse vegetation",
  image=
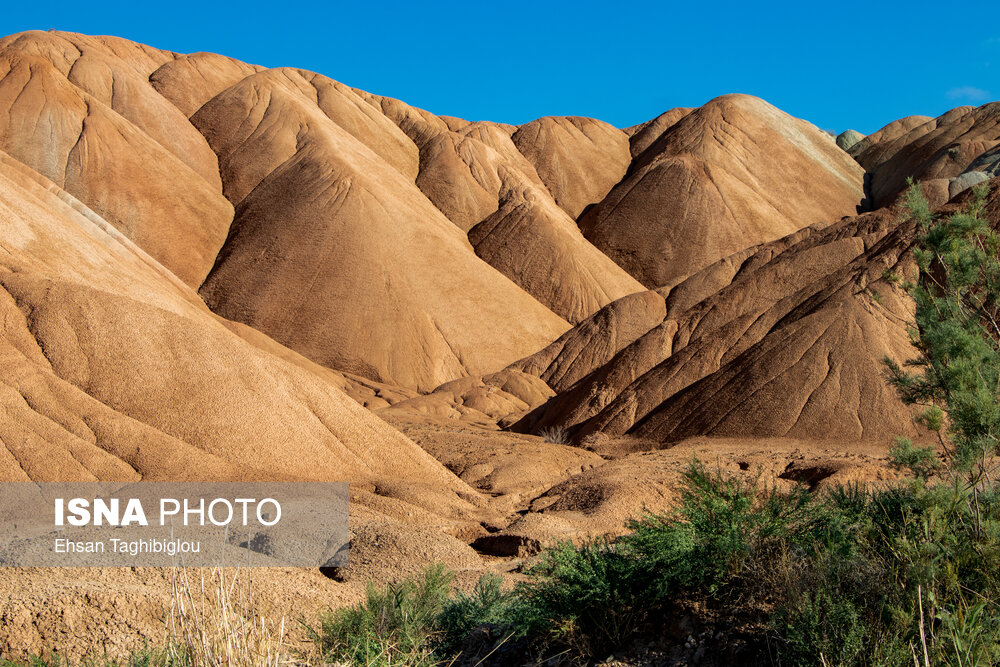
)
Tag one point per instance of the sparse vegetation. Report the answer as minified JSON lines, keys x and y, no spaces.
{"x":957,"y":300}
{"x":213,"y":621}
{"x":850,"y":577}
{"x":555,"y":435}
{"x":397,"y":624}
{"x":891,"y":276}
{"x":144,"y":658}
{"x":919,"y":461}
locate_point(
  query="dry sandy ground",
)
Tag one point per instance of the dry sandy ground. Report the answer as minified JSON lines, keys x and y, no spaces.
{"x":537,"y":491}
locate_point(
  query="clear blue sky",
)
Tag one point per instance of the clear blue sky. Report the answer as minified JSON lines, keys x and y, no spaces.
{"x":837,"y":64}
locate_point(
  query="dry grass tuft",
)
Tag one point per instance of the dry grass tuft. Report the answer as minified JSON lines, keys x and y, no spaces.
{"x":554,"y":435}
{"x":214,"y":621}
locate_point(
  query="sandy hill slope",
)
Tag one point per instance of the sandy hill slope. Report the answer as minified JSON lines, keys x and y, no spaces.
{"x":81,"y":112}
{"x":707,"y":187}
{"x":107,"y":120}
{"x":332,"y":242}
{"x":578,"y":159}
{"x":114,"y":369}
{"x":873,"y":149}
{"x":286,"y":197}
{"x":515,"y":191}
{"x":935,"y":151}
{"x":641,"y":136}
{"x":188,"y":81}
{"x":793,"y":340}
{"x":788,"y":341}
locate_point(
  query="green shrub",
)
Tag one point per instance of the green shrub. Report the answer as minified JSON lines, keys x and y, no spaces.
{"x":488,"y":605}
{"x":397,"y":624}
{"x":920,"y":461}
{"x":589,"y":598}
{"x":821,"y":626}
{"x":722,"y":524}
{"x":957,"y":334}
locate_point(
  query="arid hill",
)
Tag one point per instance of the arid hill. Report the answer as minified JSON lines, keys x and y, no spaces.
{"x":799,"y":312}
{"x":936,"y":151}
{"x":81,"y":113}
{"x":500,"y":335}
{"x":332,"y":242}
{"x":705,"y":189}
{"x":116,"y":370}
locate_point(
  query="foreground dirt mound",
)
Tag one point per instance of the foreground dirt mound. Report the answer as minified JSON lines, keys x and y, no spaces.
{"x":600,"y":500}
{"x":705,"y":189}
{"x":592,"y":343}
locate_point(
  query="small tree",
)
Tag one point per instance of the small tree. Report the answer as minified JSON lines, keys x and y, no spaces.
{"x":957,"y":295}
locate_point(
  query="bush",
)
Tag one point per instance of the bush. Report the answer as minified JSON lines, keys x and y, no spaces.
{"x":821,"y":626}
{"x":555,"y":435}
{"x":957,"y":335}
{"x":488,"y":605}
{"x":588,"y":598}
{"x":397,"y":624}
{"x":920,"y":461}
{"x":845,"y":578}
{"x":722,"y":527}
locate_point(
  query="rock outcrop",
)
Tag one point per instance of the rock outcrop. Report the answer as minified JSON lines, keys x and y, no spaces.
{"x":849,"y":138}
